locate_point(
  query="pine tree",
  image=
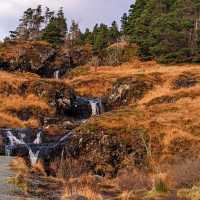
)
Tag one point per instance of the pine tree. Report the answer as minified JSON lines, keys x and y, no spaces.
{"x":55,"y":31}
{"x":36,"y":21}
{"x":114,"y":33}
{"x":167,"y":30}
{"x":75,"y":35}
{"x":87,"y":37}
{"x":124,"y":24}
{"x":101,"y":37}
{"x":48,"y":16}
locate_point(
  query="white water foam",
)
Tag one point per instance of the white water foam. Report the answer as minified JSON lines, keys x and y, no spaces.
{"x":56,"y":74}
{"x":96,"y":106}
{"x":13,"y":140}
{"x":38,"y":139}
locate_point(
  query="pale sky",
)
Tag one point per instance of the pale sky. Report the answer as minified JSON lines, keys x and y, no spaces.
{"x":86,"y":12}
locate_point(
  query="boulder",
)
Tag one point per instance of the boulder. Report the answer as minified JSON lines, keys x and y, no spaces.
{"x":128,"y":90}
{"x":185,"y":80}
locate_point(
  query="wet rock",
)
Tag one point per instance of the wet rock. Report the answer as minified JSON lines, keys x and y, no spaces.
{"x":81,"y":108}
{"x":128,"y":90}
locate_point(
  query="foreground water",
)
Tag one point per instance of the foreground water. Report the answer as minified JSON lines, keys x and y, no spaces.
{"x":8,"y":191}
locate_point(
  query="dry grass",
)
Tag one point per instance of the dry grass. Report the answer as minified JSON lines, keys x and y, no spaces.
{"x":18,"y":103}
{"x":82,"y":191}
{"x":39,"y":168}
{"x":86,"y":185}
{"x":19,"y":165}
{"x":192,"y":193}
{"x":134,"y":179}
{"x":97,"y":81}
{"x":14,"y":104}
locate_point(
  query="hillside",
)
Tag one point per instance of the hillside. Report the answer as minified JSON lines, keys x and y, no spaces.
{"x":150,"y":127}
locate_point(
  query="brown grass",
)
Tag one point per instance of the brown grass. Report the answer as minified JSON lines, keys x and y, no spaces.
{"x":86,"y":185}
{"x":88,"y":81}
{"x":19,"y":164}
{"x":10,"y":106}
{"x":17,"y":103}
{"x":39,"y":168}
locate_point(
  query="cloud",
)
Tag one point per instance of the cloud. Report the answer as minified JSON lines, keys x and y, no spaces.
{"x":86,"y":12}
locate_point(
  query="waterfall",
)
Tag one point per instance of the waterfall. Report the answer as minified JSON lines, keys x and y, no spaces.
{"x":33,"y":156}
{"x":56,"y":74}
{"x":38,"y":139}
{"x":96,"y":107}
{"x":13,"y":140}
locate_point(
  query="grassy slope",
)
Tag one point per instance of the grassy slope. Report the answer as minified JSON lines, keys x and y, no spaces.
{"x":168,"y":114}
{"x":173,"y":125}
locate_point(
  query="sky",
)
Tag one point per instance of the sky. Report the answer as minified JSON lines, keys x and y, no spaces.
{"x":85,"y":12}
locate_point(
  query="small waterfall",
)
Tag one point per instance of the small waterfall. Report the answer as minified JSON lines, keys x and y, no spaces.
{"x":33,"y":156}
{"x":13,"y":140}
{"x":96,"y":106}
{"x":56,"y":74}
{"x":38,"y":139}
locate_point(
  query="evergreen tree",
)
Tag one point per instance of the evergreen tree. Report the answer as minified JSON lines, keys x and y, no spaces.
{"x":124,"y":24}
{"x":36,"y":21}
{"x":101,"y":37}
{"x":114,"y":33}
{"x":55,"y":31}
{"x":48,"y":15}
{"x":167,"y":30}
{"x":74,"y":30}
{"x":87,"y":36}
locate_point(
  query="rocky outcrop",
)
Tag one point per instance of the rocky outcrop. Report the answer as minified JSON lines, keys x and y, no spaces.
{"x":41,"y":58}
{"x":130,"y":89}
{"x":96,"y":151}
{"x":185,"y":80}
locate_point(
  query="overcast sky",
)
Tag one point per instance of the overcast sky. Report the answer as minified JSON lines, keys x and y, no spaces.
{"x":86,"y":12}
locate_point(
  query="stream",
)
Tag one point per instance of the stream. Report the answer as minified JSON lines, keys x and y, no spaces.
{"x":8,"y":191}
{"x":30,"y":144}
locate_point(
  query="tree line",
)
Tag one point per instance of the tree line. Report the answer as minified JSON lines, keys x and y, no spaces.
{"x":165,"y":30}
{"x":47,"y":25}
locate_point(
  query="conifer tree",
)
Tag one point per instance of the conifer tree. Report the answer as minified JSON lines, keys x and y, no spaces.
{"x":124,"y":24}
{"x":55,"y":31}
{"x":114,"y":33}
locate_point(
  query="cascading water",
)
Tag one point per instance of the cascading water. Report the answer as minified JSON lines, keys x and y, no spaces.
{"x":96,"y":107}
{"x":13,"y":140}
{"x":38,"y":139}
{"x":33,"y":156}
{"x":56,"y":74}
